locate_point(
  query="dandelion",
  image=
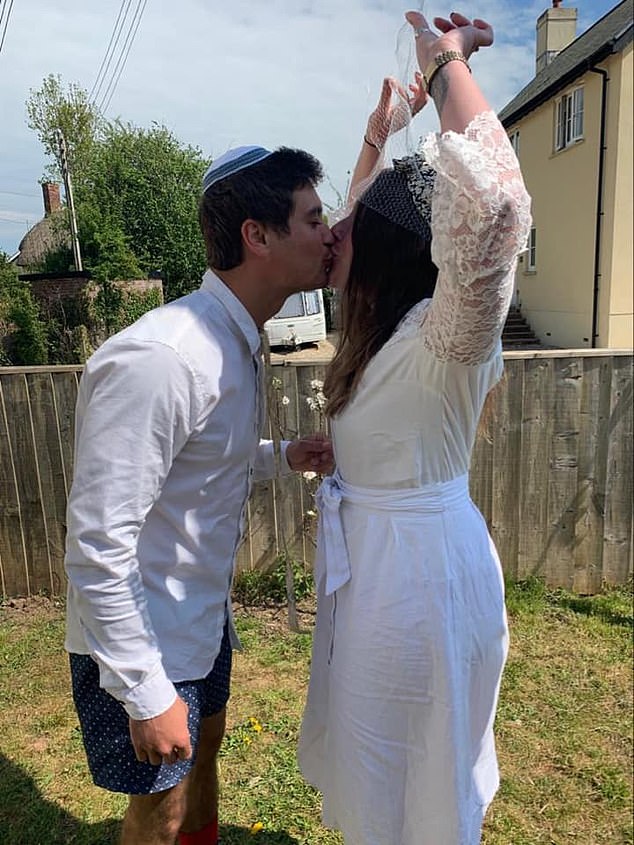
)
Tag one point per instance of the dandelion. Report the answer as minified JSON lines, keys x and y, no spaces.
{"x":247,"y":740}
{"x":255,"y":725}
{"x":256,"y":827}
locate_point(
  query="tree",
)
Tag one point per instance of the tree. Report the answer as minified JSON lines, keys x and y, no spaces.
{"x":105,"y":248}
{"x":143,"y":185}
{"x":136,"y":191}
{"x":50,"y":110}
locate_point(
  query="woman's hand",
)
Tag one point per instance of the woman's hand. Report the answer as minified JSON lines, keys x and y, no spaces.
{"x":389,"y":117}
{"x":457,"y":97}
{"x":457,"y":33}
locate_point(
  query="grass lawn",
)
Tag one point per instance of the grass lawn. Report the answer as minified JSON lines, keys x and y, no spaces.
{"x":564,"y":730}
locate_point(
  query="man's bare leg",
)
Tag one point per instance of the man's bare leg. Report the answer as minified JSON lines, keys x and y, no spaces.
{"x":155,"y":819}
{"x":202,"y":782}
{"x":191,"y":805}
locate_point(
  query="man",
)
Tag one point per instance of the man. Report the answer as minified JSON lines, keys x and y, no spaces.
{"x":167,"y":447}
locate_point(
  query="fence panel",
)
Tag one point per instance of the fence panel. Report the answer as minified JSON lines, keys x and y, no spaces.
{"x":553,"y":478}
{"x":505,"y":459}
{"x":13,"y":554}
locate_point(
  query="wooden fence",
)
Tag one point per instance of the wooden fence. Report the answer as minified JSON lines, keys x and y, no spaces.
{"x":554,"y":478}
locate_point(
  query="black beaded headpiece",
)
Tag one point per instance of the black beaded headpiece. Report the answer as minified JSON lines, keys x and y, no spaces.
{"x":403,"y":194}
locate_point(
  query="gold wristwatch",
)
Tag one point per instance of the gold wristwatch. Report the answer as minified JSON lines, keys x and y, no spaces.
{"x":438,"y":61}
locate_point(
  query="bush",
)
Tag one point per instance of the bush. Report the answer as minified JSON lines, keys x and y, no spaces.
{"x":24,"y":336}
{"x":252,"y":587}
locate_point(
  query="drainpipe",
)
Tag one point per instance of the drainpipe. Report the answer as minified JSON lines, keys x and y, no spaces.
{"x":599,"y":221}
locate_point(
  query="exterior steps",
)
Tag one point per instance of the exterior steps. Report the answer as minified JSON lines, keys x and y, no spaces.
{"x":517,"y":332}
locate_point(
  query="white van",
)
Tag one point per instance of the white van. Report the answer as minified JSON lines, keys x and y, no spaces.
{"x":301,"y":319}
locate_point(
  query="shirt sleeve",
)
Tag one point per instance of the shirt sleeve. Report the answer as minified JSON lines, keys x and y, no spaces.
{"x":480,"y":223}
{"x":137,"y":406}
{"x":265,"y":461}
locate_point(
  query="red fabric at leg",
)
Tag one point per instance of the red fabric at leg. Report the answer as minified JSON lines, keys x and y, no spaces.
{"x":207,"y":836}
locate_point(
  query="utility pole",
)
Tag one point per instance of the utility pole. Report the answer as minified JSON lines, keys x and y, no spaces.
{"x":69,"y":198}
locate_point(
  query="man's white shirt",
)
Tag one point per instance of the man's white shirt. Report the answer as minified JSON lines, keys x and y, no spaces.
{"x":167,"y":446}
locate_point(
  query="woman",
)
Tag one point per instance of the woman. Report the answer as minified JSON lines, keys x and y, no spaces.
{"x":411,"y":632}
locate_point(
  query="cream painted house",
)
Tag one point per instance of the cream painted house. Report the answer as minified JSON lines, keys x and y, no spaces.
{"x":572,"y":129}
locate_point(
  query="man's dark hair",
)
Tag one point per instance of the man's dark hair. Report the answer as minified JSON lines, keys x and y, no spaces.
{"x":262,"y":192}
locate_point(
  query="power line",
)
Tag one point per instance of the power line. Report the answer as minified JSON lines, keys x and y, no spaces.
{"x":18,"y":194}
{"x":3,"y":7}
{"x":110,"y":50}
{"x":123,"y":57}
{"x":6,"y":23}
{"x":14,"y":221}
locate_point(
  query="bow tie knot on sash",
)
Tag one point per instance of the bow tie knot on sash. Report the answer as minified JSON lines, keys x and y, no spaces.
{"x":332,"y":562}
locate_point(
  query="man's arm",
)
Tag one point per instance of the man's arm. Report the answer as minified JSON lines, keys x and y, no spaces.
{"x":135,"y":412}
{"x":307,"y":454}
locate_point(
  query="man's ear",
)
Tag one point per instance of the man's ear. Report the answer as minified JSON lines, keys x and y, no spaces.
{"x":255,"y":237}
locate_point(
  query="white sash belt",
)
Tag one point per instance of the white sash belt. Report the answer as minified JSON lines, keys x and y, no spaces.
{"x":332,"y":561}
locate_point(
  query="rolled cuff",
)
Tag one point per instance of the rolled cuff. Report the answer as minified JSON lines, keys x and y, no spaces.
{"x":265,"y":460}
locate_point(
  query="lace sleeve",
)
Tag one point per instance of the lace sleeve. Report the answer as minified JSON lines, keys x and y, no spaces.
{"x":480,"y":223}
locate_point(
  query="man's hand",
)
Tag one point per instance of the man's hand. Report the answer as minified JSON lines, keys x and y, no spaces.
{"x":311,"y":454}
{"x":163,"y":739}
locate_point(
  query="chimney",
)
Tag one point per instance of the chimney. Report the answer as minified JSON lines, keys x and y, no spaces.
{"x":556,"y":29}
{"x":52,"y":202}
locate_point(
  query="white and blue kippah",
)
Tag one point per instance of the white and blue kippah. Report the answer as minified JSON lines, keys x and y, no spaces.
{"x":232,"y":162}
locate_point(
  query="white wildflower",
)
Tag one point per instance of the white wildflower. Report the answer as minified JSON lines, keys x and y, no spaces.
{"x":309,"y":475}
{"x":285,"y":400}
{"x":316,"y":384}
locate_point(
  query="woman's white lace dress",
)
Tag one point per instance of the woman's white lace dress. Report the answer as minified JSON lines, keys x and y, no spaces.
{"x":411,"y":632}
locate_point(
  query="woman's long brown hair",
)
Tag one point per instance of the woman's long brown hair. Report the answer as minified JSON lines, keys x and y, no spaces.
{"x":391,"y":271}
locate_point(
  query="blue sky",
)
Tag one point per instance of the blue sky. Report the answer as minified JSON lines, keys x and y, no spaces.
{"x":301,"y":73}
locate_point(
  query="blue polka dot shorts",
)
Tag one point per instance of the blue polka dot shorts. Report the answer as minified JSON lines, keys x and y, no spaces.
{"x":105,"y":726}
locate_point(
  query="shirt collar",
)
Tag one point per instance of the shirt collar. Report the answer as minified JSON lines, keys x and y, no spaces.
{"x":245,"y":322}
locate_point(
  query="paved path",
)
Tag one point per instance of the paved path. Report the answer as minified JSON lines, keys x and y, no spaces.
{"x":312,"y":354}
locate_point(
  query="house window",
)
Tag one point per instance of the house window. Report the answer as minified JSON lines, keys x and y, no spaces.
{"x":569,"y":119}
{"x":514,"y":138}
{"x":532,"y":250}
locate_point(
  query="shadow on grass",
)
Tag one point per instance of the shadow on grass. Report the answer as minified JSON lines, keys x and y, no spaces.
{"x":27,"y":818}
{"x":614,"y":606}
{"x":232,"y":835}
{"x":595,"y":606}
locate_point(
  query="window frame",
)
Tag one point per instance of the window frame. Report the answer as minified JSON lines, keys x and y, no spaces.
{"x":531,"y":251}
{"x":569,"y":118}
{"x":514,"y":138}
